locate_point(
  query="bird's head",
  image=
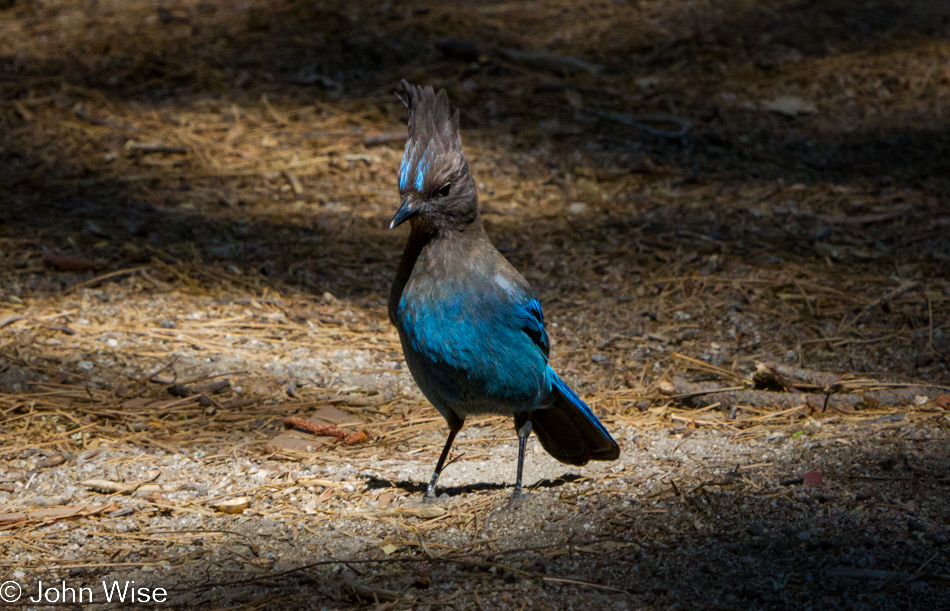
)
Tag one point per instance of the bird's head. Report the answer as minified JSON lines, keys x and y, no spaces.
{"x":435,"y":184}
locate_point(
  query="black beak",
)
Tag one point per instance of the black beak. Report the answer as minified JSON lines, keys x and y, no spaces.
{"x":406,"y":211}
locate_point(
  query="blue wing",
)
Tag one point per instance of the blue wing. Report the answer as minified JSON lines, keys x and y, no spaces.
{"x":476,"y":352}
{"x":531,"y":318}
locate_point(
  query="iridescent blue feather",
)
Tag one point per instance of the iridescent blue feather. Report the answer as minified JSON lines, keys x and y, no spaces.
{"x":471,"y":329}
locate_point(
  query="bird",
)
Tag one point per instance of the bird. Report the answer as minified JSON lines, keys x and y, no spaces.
{"x":472,"y":330}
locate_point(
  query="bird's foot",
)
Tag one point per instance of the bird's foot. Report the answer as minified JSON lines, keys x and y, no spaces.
{"x":422,"y":502}
{"x":514,"y":502}
{"x":518,"y":497}
{"x":430,"y":495}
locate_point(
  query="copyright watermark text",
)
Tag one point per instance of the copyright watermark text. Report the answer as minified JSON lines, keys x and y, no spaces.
{"x":106,"y":592}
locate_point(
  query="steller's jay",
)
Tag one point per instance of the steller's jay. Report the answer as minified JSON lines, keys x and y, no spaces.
{"x":472,"y":330}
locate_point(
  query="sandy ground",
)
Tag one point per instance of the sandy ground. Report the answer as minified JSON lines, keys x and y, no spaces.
{"x":193,"y":201}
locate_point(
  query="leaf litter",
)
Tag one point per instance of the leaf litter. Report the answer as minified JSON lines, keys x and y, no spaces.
{"x":193,"y":251}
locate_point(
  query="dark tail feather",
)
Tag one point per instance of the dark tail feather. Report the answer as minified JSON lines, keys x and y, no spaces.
{"x":569,"y":430}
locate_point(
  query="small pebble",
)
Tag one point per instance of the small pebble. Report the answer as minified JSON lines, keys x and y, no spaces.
{"x":919,"y":587}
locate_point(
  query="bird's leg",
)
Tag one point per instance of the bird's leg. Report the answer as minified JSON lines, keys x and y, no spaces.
{"x":523,"y":434}
{"x":454,"y":428}
{"x":517,"y":496}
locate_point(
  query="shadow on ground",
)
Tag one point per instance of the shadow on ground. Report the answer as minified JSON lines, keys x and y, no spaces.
{"x":339,"y":56}
{"x":872,"y":536}
{"x":376,"y":483}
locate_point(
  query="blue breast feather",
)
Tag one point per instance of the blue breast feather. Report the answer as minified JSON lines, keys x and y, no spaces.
{"x":473,"y":351}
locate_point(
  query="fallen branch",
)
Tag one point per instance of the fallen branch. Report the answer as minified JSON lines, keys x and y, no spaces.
{"x":842,"y":396}
{"x":775,"y":376}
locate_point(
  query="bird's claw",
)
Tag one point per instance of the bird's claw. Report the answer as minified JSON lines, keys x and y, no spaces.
{"x":517,"y":498}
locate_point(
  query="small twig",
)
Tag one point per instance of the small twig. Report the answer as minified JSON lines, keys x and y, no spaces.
{"x":425,"y":548}
{"x":71,"y":263}
{"x":154,"y":147}
{"x":887,"y":297}
{"x":555,"y":62}
{"x":80,"y":111}
{"x":278,"y":118}
{"x":640,"y":123}
{"x":294,"y":182}
{"x":384,"y":138}
{"x":331,"y":430}
{"x":9,"y":320}
{"x":921,"y":568}
{"x":582,"y":583}
{"x":110,"y":487}
{"x":151,"y":377}
{"x":454,"y":459}
{"x":852,"y":573}
{"x":98,"y":279}
{"x":892,"y":295}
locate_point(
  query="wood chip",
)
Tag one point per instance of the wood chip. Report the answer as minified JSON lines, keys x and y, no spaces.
{"x":237,"y":505}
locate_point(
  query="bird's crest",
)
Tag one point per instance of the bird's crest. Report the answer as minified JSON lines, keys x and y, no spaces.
{"x":433,"y":151}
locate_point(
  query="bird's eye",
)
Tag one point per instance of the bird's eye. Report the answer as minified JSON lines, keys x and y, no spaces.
{"x":445,"y":189}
